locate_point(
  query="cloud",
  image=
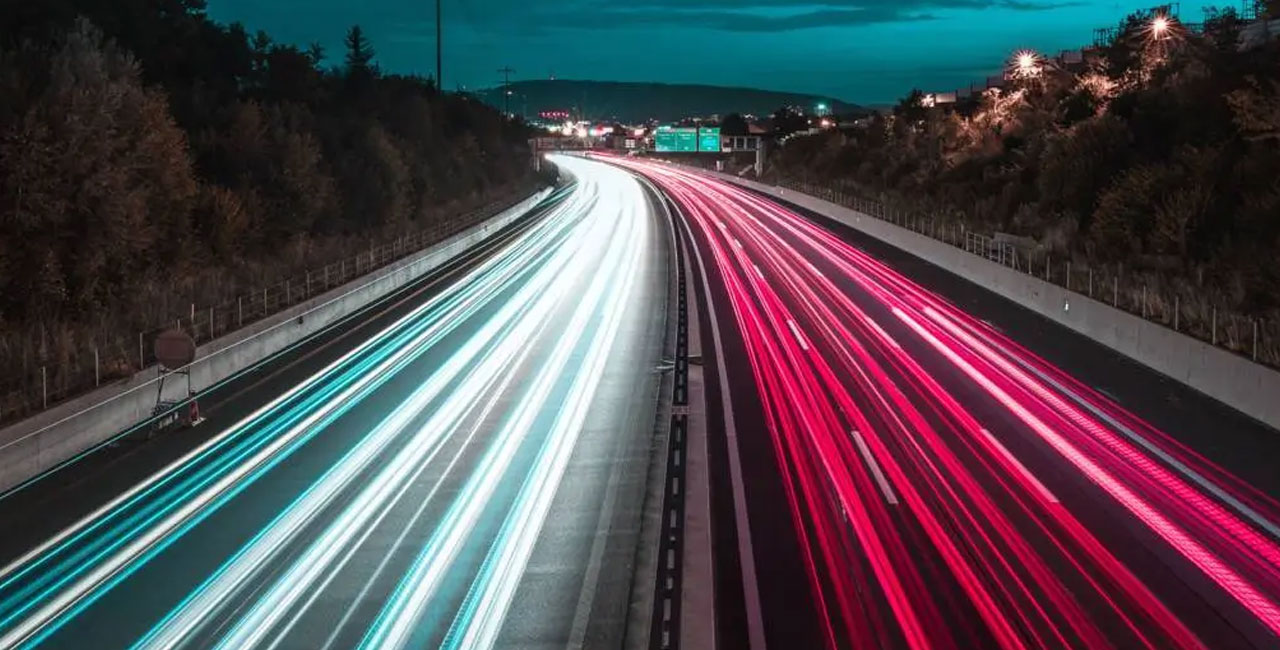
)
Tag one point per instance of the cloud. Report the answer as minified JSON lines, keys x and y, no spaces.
{"x":742,"y":21}
{"x":1026,"y":5}
{"x":750,"y":15}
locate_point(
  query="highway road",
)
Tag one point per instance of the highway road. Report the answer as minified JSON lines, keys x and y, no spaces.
{"x":915,"y":463}
{"x":462,"y":467}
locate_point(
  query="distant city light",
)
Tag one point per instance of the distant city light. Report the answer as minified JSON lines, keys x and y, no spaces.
{"x":638,"y":133}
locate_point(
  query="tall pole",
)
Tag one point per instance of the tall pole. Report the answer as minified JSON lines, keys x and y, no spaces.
{"x":439,"y":49}
{"x":506,"y":89}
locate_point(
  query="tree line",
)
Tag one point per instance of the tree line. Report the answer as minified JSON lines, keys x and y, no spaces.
{"x":1161,"y":153}
{"x":144,"y":147}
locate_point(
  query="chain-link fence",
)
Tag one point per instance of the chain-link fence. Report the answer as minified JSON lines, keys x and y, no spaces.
{"x":1144,"y":295}
{"x":111,"y":356}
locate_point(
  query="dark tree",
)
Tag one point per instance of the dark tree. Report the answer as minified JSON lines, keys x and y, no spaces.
{"x":787,"y":120}
{"x":151,"y":158}
{"x":315,"y":53}
{"x":734,"y":124}
{"x":911,"y":108}
{"x":359,"y":53}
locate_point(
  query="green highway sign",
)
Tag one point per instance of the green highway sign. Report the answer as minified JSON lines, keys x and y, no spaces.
{"x":677,"y":139}
{"x":709,"y":139}
{"x":686,"y":139}
{"x":664,"y":139}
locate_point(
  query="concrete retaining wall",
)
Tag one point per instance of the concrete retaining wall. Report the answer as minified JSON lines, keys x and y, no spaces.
{"x":37,"y":444}
{"x":1234,"y":380}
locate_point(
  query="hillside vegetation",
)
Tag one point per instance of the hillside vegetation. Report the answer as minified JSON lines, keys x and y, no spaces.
{"x":1160,"y":155}
{"x":151,"y":158}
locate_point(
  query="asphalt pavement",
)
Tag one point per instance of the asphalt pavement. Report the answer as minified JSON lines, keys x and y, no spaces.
{"x":463,"y":467}
{"x":925,"y":464}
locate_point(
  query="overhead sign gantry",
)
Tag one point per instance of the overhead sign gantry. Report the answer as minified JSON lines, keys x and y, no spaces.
{"x":687,"y":139}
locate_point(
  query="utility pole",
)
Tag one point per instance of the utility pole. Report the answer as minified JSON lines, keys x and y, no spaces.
{"x":506,"y":89}
{"x":439,"y":49}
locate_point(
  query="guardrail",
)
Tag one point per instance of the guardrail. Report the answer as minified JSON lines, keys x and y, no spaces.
{"x":48,"y":439}
{"x":112,"y":359}
{"x":1255,"y":339}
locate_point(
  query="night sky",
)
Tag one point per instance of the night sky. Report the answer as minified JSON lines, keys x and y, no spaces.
{"x":865,"y":51}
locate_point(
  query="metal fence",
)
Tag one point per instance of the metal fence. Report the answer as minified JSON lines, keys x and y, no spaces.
{"x":111,"y":357}
{"x":1195,"y":315}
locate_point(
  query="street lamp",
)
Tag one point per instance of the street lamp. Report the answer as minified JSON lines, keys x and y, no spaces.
{"x":1160,"y":25}
{"x":1025,"y":64}
{"x":1161,"y":32}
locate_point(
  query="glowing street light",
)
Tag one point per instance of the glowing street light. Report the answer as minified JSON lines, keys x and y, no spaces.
{"x":1025,"y":64}
{"x":1026,"y":60}
{"x":1160,"y":26}
{"x":1161,"y":32}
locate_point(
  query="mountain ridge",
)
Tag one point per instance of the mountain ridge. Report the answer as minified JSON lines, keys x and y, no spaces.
{"x":637,"y":101}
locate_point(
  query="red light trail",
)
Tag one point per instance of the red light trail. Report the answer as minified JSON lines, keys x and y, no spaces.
{"x":915,"y":493}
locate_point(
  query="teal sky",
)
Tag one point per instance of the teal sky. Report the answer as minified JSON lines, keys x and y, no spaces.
{"x":865,"y":51}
